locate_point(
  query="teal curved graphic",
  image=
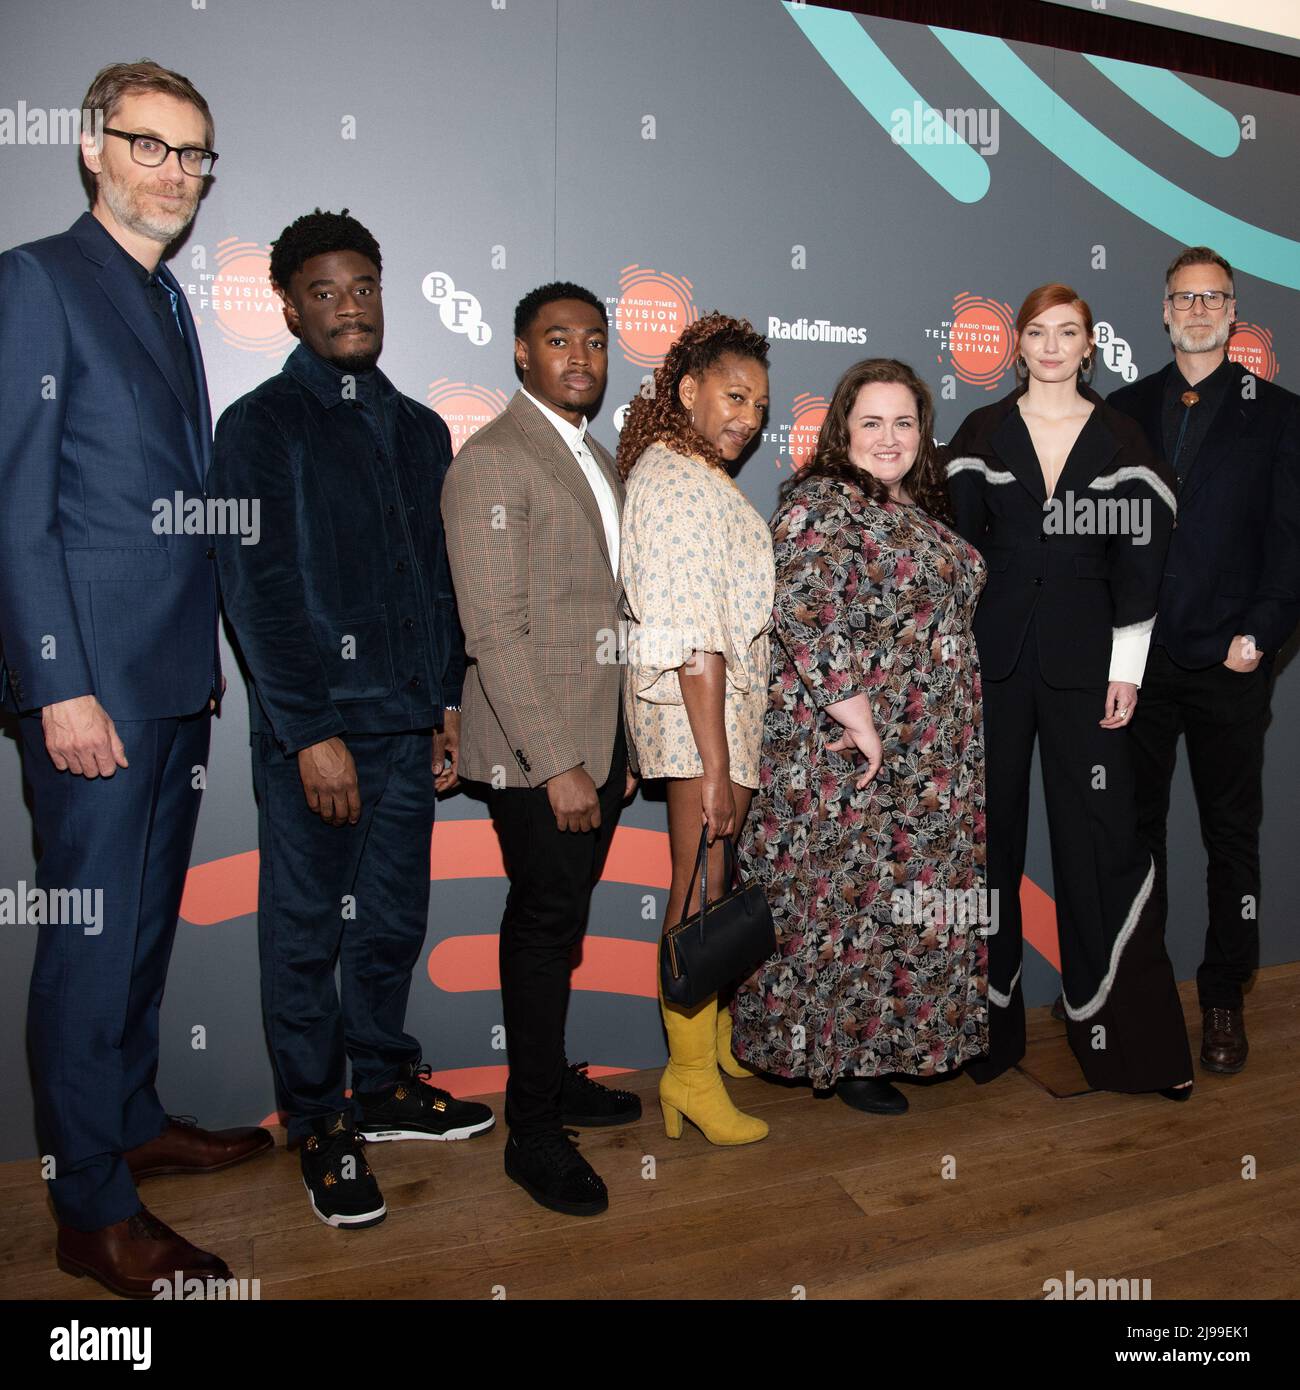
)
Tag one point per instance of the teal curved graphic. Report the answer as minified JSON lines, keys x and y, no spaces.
{"x":851,"y":53}
{"x":853,"y":56}
{"x":1175,"y":102}
{"x":1056,"y":125}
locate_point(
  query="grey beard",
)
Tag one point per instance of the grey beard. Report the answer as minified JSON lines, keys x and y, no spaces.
{"x":1212,"y":344}
{"x":120,"y":205}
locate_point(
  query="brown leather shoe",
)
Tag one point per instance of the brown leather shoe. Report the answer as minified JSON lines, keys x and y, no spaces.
{"x":185,"y":1148}
{"x":1223,"y":1040}
{"x":129,"y":1257}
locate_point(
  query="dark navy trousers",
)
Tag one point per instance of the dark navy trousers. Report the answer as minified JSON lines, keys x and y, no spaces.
{"x":355,"y":896}
{"x":92,"y":1021}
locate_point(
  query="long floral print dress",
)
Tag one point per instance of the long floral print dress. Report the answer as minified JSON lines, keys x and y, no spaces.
{"x":878,"y":895}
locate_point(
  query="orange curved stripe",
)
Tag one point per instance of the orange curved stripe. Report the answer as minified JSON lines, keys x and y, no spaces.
{"x":224,"y":889}
{"x":609,"y":965}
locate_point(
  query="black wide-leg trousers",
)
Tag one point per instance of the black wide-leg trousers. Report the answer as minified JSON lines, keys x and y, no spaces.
{"x":1124,"y":1017}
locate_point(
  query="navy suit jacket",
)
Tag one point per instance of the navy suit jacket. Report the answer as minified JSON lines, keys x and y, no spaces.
{"x":1234,"y":561}
{"x":93,"y":431}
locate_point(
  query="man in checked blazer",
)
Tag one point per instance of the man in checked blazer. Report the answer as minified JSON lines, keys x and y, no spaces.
{"x":532,"y":506}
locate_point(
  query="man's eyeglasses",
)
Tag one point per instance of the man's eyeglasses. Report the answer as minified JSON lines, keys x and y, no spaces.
{"x":1211,"y":299}
{"x":152,"y":152}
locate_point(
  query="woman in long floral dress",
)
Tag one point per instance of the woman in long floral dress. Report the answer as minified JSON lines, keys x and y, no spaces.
{"x":867,"y":829}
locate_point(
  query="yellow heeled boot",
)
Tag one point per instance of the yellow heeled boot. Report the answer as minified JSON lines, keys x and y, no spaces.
{"x":727,"y":1060}
{"x":691,"y":1086}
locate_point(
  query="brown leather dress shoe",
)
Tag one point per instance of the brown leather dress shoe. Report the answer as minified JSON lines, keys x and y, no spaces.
{"x":1223,"y":1040}
{"x":129,"y":1257}
{"x":185,"y":1148}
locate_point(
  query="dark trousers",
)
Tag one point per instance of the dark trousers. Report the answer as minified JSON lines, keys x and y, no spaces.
{"x":1123,"y":1016}
{"x":552,"y":874}
{"x":92,"y":1021}
{"x":355,"y":895}
{"x":1222,"y":713}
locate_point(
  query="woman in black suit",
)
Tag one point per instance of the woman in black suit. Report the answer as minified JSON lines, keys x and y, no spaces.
{"x":1073,"y":514}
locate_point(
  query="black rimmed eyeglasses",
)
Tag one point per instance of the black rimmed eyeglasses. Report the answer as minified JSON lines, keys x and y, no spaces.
{"x":152,"y":152}
{"x":1212,"y":299}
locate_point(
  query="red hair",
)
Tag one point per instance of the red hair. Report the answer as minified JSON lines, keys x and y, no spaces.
{"x":1052,"y":297}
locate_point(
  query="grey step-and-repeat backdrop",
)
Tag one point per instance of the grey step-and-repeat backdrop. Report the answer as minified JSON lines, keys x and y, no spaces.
{"x":856,"y":187}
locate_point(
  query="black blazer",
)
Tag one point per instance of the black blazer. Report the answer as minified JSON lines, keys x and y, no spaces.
{"x":1088,"y":568}
{"x":1234,"y":562}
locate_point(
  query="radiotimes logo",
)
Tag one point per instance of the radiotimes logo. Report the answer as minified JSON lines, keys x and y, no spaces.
{"x":979,"y":339}
{"x":459,"y":310}
{"x":649,"y":313}
{"x":249,"y":313}
{"x":815,"y":330}
{"x":795,"y":439}
{"x":1251,"y":346}
{"x":464,"y":406}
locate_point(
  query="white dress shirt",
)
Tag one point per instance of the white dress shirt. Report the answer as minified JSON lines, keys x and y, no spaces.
{"x":575,"y":437}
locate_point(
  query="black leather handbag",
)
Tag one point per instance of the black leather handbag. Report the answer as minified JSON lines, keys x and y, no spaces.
{"x":721,"y":943}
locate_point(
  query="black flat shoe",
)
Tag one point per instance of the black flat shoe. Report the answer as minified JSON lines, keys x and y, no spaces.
{"x":554,"y":1174}
{"x":871,"y":1094}
{"x":1176,"y":1092}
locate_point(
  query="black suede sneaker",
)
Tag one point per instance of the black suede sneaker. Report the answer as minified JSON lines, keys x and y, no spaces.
{"x":412,"y":1109}
{"x":342,"y":1189}
{"x":554,"y":1174}
{"x":588,"y":1104}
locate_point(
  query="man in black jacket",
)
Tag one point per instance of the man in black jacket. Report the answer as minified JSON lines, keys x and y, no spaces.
{"x":347,"y":621}
{"x":1229,"y":599}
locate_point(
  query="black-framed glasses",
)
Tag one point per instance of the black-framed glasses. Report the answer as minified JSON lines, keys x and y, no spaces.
{"x":150,"y":151}
{"x":1211,"y":299}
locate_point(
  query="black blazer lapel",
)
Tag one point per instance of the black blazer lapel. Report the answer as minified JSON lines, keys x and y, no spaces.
{"x":1012,"y":444}
{"x":1093,"y":451}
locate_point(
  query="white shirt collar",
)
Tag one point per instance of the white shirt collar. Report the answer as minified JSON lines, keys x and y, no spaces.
{"x":573,"y":435}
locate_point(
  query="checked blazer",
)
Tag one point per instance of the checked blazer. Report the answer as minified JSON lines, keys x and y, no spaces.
{"x":540,"y":607}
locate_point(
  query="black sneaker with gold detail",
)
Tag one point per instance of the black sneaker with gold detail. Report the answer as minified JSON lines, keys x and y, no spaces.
{"x":412,"y":1109}
{"x":341,"y":1187}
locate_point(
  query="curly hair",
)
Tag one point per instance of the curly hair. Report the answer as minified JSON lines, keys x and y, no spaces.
{"x":659,"y":416}
{"x":318,"y":233}
{"x":924,"y":481}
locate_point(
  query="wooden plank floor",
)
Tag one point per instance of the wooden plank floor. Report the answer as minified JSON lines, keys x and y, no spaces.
{"x":833,"y":1203}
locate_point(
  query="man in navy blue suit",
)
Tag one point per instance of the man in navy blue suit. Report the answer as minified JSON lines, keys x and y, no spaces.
{"x":1229,"y":599}
{"x":108,"y":651}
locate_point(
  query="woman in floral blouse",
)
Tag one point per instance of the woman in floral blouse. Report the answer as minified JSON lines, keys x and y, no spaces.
{"x":696,"y":565}
{"x":867,"y":829}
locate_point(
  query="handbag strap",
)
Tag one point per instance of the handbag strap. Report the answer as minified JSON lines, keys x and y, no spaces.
{"x":730,"y":872}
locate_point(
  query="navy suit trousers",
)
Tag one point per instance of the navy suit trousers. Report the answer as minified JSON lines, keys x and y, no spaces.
{"x":352,"y":895}
{"x":92,"y":1022}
